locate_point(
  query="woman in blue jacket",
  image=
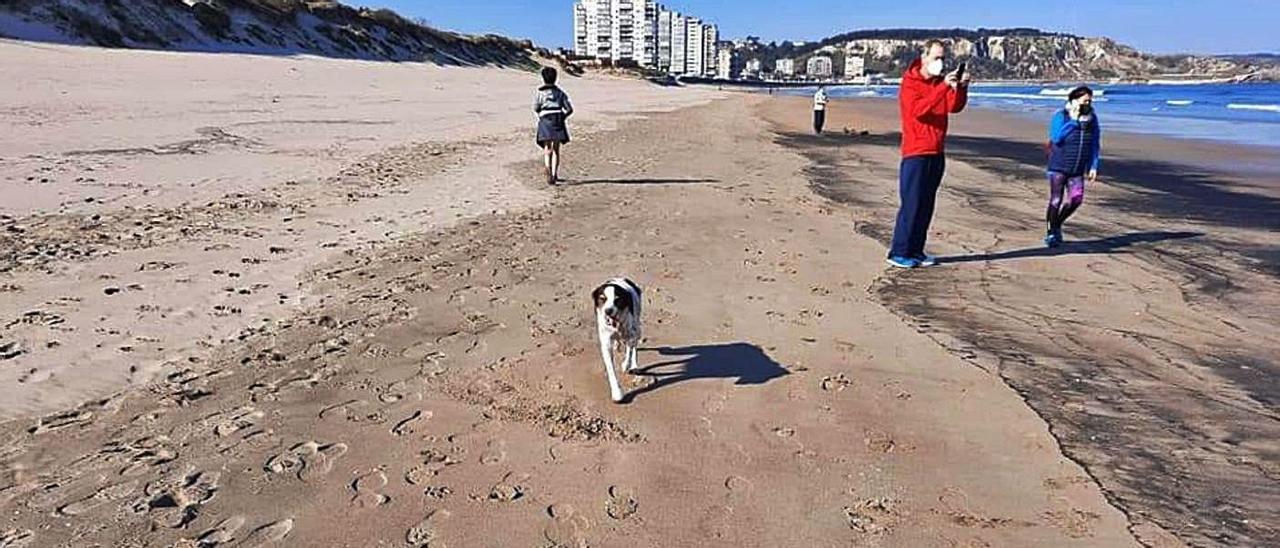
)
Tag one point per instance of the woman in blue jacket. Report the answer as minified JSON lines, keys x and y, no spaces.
{"x":1075,"y":142}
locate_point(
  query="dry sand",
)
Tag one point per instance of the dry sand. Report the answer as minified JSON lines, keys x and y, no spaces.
{"x":384,"y":338}
{"x":157,"y":205}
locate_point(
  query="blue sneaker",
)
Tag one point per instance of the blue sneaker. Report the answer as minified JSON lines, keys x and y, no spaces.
{"x":1052,"y":240}
{"x":902,"y":262}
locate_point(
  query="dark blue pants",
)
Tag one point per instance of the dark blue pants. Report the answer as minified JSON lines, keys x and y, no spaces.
{"x":918,"y":180}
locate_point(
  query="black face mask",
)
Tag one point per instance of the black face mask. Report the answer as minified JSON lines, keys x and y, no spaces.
{"x":1086,"y":109}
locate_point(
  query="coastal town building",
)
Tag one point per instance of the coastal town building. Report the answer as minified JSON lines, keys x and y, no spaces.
{"x":785,"y":67}
{"x":710,"y":49}
{"x":646,"y":34}
{"x":729,"y":63}
{"x":754,"y":67}
{"x":819,"y":66}
{"x":593,"y":29}
{"x":696,"y":52}
{"x":663,"y":32}
{"x":679,"y":41}
{"x":855,"y":66}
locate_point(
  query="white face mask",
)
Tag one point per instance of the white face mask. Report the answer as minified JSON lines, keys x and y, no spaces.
{"x":934,"y":67}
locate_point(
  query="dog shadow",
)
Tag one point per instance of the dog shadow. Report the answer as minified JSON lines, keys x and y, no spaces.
{"x":745,"y":362}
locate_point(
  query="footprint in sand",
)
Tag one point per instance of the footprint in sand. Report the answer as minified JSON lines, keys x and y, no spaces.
{"x":880,"y":442}
{"x":59,"y":421}
{"x":872,"y":516}
{"x":102,"y":496}
{"x":1076,"y":523}
{"x":432,"y":463}
{"x":343,"y":411}
{"x":174,"y":502}
{"x":703,"y":430}
{"x":495,"y":452}
{"x":237,"y":420}
{"x":510,"y":488}
{"x":738,"y":486}
{"x":16,"y":538}
{"x":406,"y":426}
{"x":716,"y":521}
{"x":425,"y":534}
{"x":222,"y":533}
{"x":308,"y":460}
{"x":568,"y":528}
{"x":437,"y":492}
{"x":275,"y":531}
{"x":146,"y":453}
{"x":368,"y":488}
{"x":836,"y":383}
{"x":714,"y":403}
{"x":621,"y":503}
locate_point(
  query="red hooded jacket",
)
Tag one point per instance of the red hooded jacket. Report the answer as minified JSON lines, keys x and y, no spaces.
{"x":924,"y":105}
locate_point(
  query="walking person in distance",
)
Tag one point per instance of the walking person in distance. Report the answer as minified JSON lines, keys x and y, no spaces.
{"x":553,"y":108}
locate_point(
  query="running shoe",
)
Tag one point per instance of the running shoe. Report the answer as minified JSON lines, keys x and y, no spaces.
{"x":902,"y":262}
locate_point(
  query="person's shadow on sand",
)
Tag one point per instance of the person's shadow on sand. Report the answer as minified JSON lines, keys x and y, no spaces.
{"x":746,"y":362}
{"x":1100,"y":246}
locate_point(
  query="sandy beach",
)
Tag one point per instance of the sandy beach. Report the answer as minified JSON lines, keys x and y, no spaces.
{"x":252,"y":301}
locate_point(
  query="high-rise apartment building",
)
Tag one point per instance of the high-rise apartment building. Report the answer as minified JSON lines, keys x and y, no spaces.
{"x":696,"y":52}
{"x":622,"y":30}
{"x":646,"y":33}
{"x":679,"y":43}
{"x":645,"y":49}
{"x":664,"y":39}
{"x":710,"y":50}
{"x":593,"y":28}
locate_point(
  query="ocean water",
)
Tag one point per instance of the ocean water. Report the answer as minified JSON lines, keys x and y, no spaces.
{"x":1236,"y":113}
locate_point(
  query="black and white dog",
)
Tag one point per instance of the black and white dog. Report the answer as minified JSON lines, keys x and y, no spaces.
{"x":617,"y":303}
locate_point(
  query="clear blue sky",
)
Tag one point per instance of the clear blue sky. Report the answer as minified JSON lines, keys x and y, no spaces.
{"x":1161,"y":26}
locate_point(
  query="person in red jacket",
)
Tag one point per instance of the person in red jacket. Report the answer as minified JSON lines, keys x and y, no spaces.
{"x":925,"y":99}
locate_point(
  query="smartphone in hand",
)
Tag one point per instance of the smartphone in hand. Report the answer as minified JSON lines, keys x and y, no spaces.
{"x":960,"y":71}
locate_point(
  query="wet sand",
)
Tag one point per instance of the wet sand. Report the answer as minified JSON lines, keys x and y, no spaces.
{"x":420,"y":364}
{"x":1148,"y":343}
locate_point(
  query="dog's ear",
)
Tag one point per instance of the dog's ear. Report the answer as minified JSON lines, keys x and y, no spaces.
{"x":635,"y":286}
{"x":596,"y":295}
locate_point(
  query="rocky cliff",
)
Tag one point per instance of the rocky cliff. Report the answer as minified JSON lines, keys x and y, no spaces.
{"x":1024,"y":54}
{"x":253,"y":26}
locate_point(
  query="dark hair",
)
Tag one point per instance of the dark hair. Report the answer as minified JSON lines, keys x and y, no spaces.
{"x":928,"y":45}
{"x":1079,"y":92}
{"x":548,"y":75}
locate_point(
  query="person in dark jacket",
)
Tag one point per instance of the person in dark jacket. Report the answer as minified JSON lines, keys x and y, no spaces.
{"x":927,"y":97}
{"x":1075,"y":152}
{"x":552,"y":106}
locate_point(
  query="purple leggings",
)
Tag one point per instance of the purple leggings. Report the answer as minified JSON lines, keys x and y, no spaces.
{"x":1058,"y":211}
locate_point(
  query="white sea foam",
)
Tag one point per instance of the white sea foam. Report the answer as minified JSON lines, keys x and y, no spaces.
{"x":1063,"y":92}
{"x":1249,"y":106}
{"x":1179,"y":103}
{"x":1029,"y":96}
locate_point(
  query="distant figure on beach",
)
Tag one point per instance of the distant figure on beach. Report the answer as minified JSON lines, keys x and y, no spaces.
{"x":552,"y":107}
{"x":925,"y":100}
{"x":819,"y":109}
{"x":1075,"y":151}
